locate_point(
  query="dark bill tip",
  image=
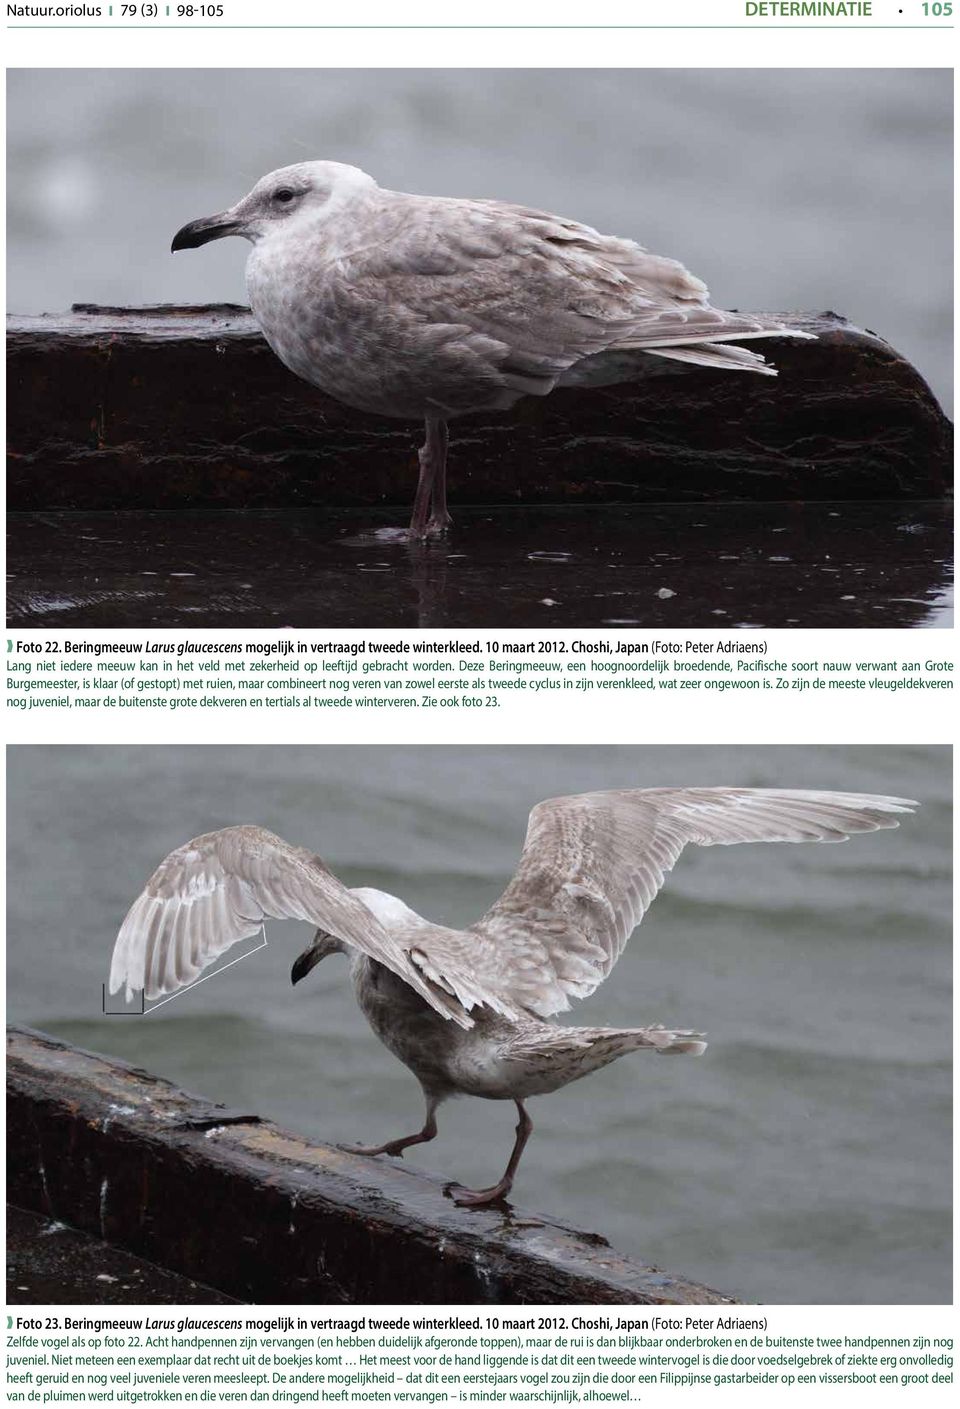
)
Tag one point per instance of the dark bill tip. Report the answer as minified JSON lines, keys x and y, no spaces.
{"x":201,"y":232}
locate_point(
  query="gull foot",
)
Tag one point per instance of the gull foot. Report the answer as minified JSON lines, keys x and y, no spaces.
{"x":435,"y":527}
{"x":438,"y":525}
{"x":394,"y":1147}
{"x":476,"y":1198}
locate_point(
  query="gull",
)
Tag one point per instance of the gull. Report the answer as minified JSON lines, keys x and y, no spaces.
{"x":468,"y":1010}
{"x":429,"y":307}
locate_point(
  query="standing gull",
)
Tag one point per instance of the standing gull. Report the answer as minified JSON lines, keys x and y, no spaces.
{"x":428,"y":307}
{"x":465,"y":1009}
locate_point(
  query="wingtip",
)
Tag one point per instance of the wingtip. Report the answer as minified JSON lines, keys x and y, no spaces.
{"x":120,"y":980}
{"x":889,"y":810}
{"x":117,"y":977}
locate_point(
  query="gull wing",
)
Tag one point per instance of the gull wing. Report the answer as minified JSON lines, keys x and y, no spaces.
{"x":219,"y":888}
{"x":591,"y":866}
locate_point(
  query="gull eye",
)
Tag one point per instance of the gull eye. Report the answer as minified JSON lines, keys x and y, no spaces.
{"x":283,"y":194}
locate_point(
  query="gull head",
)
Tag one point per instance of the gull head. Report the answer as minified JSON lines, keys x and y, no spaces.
{"x":321,"y":945}
{"x":289,"y":199}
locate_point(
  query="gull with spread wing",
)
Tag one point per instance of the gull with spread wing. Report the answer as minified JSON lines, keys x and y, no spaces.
{"x":468,"y":1010}
{"x":428,"y":307}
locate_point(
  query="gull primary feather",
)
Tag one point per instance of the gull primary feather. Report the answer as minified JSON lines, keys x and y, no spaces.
{"x":468,"y":1010}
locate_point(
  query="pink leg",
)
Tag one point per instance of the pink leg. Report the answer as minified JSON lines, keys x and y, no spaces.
{"x":476,"y":1198}
{"x":440,"y":520}
{"x":397,"y":1147}
{"x":431,"y":496}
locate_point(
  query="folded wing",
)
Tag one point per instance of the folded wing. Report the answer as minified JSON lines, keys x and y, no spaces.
{"x":550,"y":292}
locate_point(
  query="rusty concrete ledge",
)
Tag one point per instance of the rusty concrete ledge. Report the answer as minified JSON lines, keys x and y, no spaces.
{"x":264,"y":1215}
{"x":169,"y":407}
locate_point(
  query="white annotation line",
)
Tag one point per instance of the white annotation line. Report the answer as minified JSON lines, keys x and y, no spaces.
{"x":197,"y":982}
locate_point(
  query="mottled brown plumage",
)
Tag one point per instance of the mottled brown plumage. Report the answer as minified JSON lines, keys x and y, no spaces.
{"x":428,"y":307}
{"x":466,"y":1010}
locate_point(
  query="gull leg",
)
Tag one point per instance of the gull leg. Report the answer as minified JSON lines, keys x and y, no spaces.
{"x":431,"y":486}
{"x":421,"y":503}
{"x":476,"y":1198}
{"x":397,"y":1147}
{"x":440,"y":520}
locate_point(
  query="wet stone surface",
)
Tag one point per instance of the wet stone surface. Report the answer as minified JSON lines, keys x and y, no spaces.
{"x":769,"y":565}
{"x":49,"y":1263}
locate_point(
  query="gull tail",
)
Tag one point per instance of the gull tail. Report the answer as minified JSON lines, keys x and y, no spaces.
{"x":693,"y":1044}
{"x":665,"y":1041}
{"x":585,"y":1049}
{"x":607,"y":1044}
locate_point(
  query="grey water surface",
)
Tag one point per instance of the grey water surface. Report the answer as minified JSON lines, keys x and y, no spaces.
{"x":804,"y":1158}
{"x":791,"y":188}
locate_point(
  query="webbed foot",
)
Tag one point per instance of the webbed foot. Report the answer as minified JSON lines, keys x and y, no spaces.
{"x":477,"y":1198}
